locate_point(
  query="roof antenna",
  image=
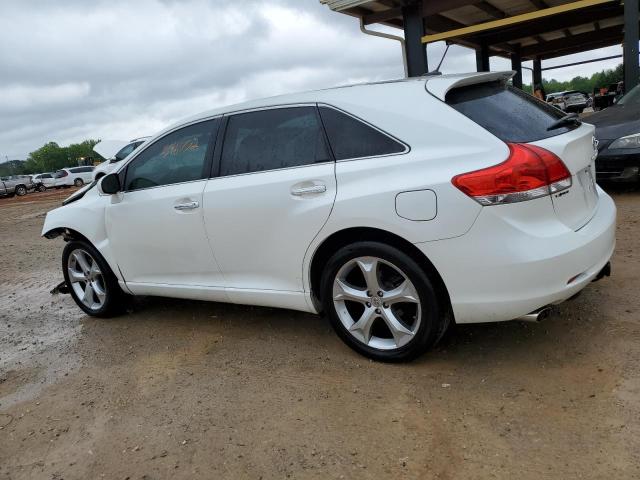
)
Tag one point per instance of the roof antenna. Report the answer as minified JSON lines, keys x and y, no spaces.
{"x":437,"y":70}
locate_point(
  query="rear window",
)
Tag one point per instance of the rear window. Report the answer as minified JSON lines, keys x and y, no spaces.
{"x":507,"y":112}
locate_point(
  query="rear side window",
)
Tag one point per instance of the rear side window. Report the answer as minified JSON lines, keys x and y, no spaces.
{"x":351,"y":138}
{"x":272,"y":139}
{"x":507,"y":112}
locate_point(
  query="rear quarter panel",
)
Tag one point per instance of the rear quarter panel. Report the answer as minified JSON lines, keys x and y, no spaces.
{"x":443,"y":143}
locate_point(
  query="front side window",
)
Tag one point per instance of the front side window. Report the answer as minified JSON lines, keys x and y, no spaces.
{"x":272,"y":139}
{"x":175,"y":158}
{"x":351,"y":138}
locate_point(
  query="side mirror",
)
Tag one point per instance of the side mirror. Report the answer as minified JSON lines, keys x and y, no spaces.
{"x":110,"y":184}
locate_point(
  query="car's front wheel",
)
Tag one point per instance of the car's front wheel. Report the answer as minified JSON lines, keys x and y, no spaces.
{"x":78,"y":182}
{"x":91,"y":282}
{"x":41,"y":188}
{"x":381,"y":302}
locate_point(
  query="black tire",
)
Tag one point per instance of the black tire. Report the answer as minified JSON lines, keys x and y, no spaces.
{"x":433,"y":317}
{"x":115,"y":299}
{"x":78,"y":182}
{"x":41,"y":188}
{"x":21,"y":190}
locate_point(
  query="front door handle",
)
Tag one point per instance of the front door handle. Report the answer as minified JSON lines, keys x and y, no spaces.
{"x":318,"y":188}
{"x":187,"y":206}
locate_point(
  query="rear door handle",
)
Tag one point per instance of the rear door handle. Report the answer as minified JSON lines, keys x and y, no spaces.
{"x":187,"y":206}
{"x":319,"y":188}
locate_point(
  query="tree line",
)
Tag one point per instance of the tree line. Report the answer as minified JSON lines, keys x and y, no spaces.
{"x":583,"y":84}
{"x":51,"y":157}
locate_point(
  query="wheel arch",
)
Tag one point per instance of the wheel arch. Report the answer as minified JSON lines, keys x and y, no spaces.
{"x":348,"y":236}
{"x":66,"y":233}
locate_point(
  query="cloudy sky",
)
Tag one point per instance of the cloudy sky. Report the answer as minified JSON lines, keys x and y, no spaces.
{"x":118,"y":69}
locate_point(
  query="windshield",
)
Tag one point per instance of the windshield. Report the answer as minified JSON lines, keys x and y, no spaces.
{"x":632,"y":97}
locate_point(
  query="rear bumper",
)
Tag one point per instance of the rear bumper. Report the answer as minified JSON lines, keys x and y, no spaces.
{"x":504,"y":268}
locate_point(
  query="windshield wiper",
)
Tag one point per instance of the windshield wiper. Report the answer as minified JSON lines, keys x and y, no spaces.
{"x":566,"y":120}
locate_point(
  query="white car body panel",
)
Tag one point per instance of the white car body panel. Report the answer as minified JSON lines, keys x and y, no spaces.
{"x":251,"y":241}
{"x":144,"y":226}
{"x":240,"y":209}
{"x":105,"y":168}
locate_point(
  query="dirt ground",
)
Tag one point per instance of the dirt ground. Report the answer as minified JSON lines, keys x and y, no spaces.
{"x":183,"y":389}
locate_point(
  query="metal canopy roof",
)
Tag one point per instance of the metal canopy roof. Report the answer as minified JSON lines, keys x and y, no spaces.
{"x":598,"y":24}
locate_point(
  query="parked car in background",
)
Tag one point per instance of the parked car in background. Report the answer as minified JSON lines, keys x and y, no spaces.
{"x":42,"y":181}
{"x":73,"y":176}
{"x":556,"y":100}
{"x":575,"y":101}
{"x":569,"y":101}
{"x":395,"y":207}
{"x":15,"y":185}
{"x":114,"y":151}
{"x":618,"y":134}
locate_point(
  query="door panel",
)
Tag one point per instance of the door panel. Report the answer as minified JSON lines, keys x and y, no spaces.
{"x":158,"y":236}
{"x":156,"y":225}
{"x":261,"y":224}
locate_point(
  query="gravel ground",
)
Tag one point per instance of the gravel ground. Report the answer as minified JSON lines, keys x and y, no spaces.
{"x":184,"y":389}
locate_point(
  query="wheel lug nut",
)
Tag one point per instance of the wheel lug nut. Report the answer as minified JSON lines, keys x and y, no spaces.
{"x":380,"y":293}
{"x":368,"y":293}
{"x":377,"y":310}
{"x":368,"y":304}
{"x":385,"y":305}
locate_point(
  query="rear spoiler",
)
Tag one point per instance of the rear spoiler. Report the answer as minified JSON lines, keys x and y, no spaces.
{"x":439,"y":86}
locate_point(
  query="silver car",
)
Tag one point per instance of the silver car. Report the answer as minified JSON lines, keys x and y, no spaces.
{"x":15,"y":185}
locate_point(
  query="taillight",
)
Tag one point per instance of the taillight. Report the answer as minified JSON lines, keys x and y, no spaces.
{"x":529,"y":172}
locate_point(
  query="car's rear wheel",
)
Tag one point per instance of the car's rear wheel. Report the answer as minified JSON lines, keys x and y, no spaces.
{"x":91,"y":282}
{"x":41,"y":187}
{"x":380,"y":302}
{"x":21,"y":190}
{"x":78,"y":182}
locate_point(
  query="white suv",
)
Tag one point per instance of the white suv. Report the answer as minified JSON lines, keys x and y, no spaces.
{"x":114,"y":151}
{"x":73,"y":176}
{"x":396,"y":208}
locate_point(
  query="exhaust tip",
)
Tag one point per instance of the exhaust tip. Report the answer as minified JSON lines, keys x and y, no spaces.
{"x":536,"y":316}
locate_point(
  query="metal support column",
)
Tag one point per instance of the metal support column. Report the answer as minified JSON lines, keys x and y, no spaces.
{"x":537,"y":71}
{"x":482,"y":58}
{"x":416,"y":51}
{"x":630,"y":48}
{"x":516,"y":64}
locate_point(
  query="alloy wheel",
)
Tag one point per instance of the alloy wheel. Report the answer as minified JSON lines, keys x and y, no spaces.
{"x":86,"y":279}
{"x":377,"y":303}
